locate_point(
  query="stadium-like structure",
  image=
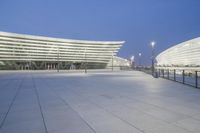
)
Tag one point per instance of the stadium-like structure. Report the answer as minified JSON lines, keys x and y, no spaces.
{"x":184,"y":55}
{"x":20,"y":51}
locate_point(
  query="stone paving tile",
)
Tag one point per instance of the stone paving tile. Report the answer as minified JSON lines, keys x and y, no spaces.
{"x":2,"y":115}
{"x":133,"y":116}
{"x":155,"y":111}
{"x":22,"y":116}
{"x":30,"y":126}
{"x":197,"y":116}
{"x":103,"y":122}
{"x":65,"y":120}
{"x":190,"y":124}
{"x":169,"y":129}
{"x":99,"y":119}
{"x":58,"y":116}
{"x":139,"y":119}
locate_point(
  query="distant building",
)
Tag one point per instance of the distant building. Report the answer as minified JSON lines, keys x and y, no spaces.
{"x":19,"y":51}
{"x":119,"y":63}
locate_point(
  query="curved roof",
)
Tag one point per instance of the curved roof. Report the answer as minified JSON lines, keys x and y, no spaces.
{"x":52,"y":39}
{"x":183,"y":54}
{"x":23,"y":47}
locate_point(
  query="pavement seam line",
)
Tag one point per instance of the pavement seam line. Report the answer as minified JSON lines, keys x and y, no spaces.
{"x":12,"y":102}
{"x":38,"y":100}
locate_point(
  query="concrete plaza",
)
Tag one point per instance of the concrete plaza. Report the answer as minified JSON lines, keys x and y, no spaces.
{"x":96,"y":102}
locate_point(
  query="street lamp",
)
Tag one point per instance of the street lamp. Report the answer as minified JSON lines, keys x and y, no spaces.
{"x":58,"y":63}
{"x":85,"y":61}
{"x":132,"y":58}
{"x":112,"y":60}
{"x":140,"y":54}
{"x":132,"y":61}
{"x":152,"y":56}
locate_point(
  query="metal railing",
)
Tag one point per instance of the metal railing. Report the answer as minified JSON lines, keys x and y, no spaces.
{"x":188,"y":77}
{"x":185,"y":76}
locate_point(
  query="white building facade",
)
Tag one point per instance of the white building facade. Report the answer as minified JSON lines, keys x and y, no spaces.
{"x":183,"y":55}
{"x":20,"y":51}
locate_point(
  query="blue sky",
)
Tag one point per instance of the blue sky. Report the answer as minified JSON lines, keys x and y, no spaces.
{"x":138,"y":22}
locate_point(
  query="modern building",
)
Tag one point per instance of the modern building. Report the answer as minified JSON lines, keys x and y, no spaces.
{"x":20,"y":51}
{"x":183,"y":55}
{"x":119,"y":63}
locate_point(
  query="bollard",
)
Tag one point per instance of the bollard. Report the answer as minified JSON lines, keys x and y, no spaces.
{"x":163,"y":73}
{"x":159,"y":73}
{"x":168,"y":74}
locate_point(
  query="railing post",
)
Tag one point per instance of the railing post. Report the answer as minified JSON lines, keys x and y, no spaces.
{"x":163,"y":73}
{"x":174,"y":74}
{"x":183,"y":76}
{"x":196,"y":79}
{"x":168,"y":73}
{"x":158,"y":72}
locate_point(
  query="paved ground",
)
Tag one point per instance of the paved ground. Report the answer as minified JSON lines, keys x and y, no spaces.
{"x":118,"y":102}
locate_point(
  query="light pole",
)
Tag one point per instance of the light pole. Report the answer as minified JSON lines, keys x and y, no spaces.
{"x":112,"y":61}
{"x":58,"y":63}
{"x":85,"y":61}
{"x":132,"y":61}
{"x":140,"y":54}
{"x":152,"y":56}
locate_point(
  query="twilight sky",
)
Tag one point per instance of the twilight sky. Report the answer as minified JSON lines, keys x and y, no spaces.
{"x":138,"y":22}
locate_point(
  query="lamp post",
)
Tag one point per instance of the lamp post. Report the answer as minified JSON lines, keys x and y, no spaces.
{"x":132,"y":61}
{"x":58,"y":63}
{"x":140,"y":54}
{"x":152,"y":56}
{"x":85,"y":61}
{"x":112,"y":61}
